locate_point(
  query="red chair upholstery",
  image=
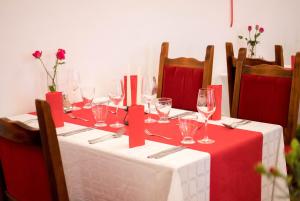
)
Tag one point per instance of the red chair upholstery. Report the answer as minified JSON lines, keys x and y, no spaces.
{"x":267,"y":93}
{"x":231,"y":64}
{"x":25,"y":172}
{"x":31,"y":166}
{"x":181,"y":78}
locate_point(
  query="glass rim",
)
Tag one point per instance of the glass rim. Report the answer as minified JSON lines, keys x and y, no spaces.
{"x":163,"y":98}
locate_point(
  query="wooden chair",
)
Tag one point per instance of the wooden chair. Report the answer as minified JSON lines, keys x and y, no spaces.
{"x":231,"y":63}
{"x":181,"y":78}
{"x":267,"y":93}
{"x":31,"y":166}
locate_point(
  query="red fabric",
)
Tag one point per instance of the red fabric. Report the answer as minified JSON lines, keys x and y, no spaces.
{"x":182,"y":85}
{"x":264,"y":99}
{"x":233,"y":155}
{"x":55,"y":101}
{"x":25,"y":171}
{"x":136,"y":126}
{"x":218,"y":97}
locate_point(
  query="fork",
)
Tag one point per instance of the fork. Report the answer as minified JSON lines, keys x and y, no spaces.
{"x":72,"y":116}
{"x":156,"y":135}
{"x":117,"y":134}
{"x":236,"y":124}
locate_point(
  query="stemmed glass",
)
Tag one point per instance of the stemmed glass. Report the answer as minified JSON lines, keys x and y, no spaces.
{"x":73,"y":83}
{"x":149,"y":92}
{"x":116,"y":95}
{"x":206,"y":105}
{"x":87,"y":93}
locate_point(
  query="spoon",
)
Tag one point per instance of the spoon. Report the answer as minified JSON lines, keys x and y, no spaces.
{"x":72,"y":116}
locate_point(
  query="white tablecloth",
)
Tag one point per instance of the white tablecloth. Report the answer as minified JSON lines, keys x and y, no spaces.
{"x":111,"y":171}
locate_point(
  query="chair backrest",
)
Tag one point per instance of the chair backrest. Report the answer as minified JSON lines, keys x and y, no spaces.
{"x":31,"y":166}
{"x":231,"y":64}
{"x":267,"y":93}
{"x":181,"y":78}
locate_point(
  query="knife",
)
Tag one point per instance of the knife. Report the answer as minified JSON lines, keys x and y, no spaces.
{"x":166,"y":152}
{"x":73,"y":132}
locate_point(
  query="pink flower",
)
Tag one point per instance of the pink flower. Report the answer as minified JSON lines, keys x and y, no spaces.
{"x":261,"y":30}
{"x":37,"y":54}
{"x":249,"y":28}
{"x":257,"y":27}
{"x":60,"y":55}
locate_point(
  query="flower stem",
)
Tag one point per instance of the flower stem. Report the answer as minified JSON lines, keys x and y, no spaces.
{"x":45,"y":68}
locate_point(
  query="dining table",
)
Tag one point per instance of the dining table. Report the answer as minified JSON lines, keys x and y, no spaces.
{"x":225,"y":170}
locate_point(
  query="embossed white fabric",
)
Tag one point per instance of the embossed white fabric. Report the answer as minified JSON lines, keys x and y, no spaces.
{"x":111,"y":171}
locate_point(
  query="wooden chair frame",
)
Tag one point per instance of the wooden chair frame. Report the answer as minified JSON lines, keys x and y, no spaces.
{"x":231,"y":64}
{"x":44,"y":137}
{"x":207,"y":65}
{"x":271,"y":70}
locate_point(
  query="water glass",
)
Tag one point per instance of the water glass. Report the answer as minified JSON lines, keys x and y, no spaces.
{"x":99,"y":110}
{"x":163,"y":107}
{"x":87,"y":94}
{"x":188,"y":126}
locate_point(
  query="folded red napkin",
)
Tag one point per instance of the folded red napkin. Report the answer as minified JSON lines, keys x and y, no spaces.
{"x":133,"y":90}
{"x":55,"y":101}
{"x":293,"y":59}
{"x":218,"y":97}
{"x":136,"y":126}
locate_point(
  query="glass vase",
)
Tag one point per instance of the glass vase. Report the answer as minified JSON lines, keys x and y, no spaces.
{"x":251,"y":51}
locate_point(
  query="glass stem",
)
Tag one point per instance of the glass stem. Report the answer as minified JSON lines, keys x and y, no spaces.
{"x":205,"y":128}
{"x":117,"y":108}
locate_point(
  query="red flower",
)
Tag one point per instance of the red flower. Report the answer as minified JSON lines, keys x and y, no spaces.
{"x":257,"y":27}
{"x":60,"y":55}
{"x":61,"y":50}
{"x":37,"y":54}
{"x":261,"y":30}
{"x":249,"y":28}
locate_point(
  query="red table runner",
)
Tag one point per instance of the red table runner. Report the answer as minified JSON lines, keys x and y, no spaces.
{"x":233,"y":155}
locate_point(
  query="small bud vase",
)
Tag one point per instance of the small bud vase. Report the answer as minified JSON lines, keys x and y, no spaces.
{"x":55,"y":100}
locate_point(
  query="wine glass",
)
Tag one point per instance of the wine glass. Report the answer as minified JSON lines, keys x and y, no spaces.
{"x":116,"y":96}
{"x":149,"y":92}
{"x":73,"y":92}
{"x":206,"y":105}
{"x":87,"y":94}
{"x":163,"y":107}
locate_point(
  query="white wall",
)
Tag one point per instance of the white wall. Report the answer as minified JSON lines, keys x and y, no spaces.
{"x":103,"y":37}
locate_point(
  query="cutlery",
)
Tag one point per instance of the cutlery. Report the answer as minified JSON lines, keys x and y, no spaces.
{"x":156,"y":135}
{"x":166,"y":152}
{"x":73,"y":132}
{"x":117,"y":134}
{"x":181,"y":114}
{"x":72,"y":116}
{"x":236,"y":124}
